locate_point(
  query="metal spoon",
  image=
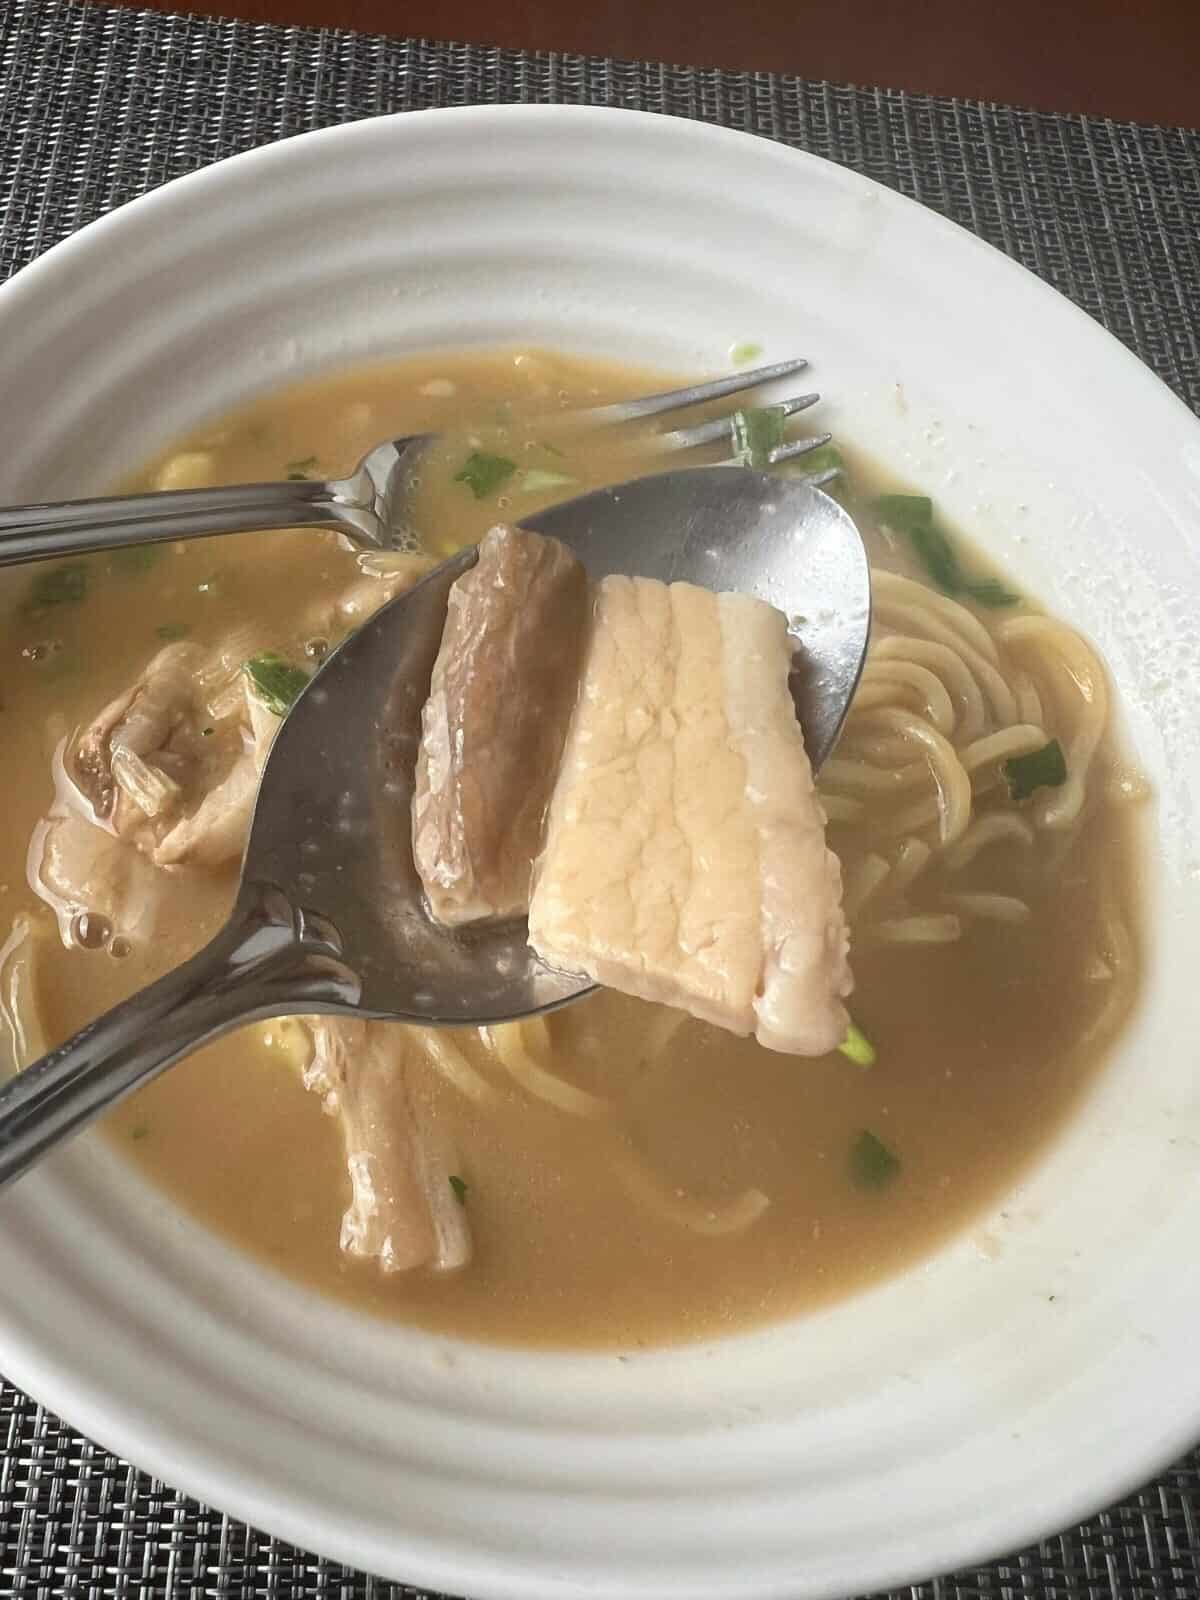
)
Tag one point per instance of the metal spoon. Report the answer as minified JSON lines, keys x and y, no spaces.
{"x":329,"y":914}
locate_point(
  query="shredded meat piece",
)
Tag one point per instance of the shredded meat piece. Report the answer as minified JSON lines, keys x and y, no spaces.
{"x":76,"y":867}
{"x":403,"y":1212}
{"x":147,"y":797}
{"x":159,"y":755}
{"x":173,"y":763}
{"x":147,"y":723}
{"x":215,"y":832}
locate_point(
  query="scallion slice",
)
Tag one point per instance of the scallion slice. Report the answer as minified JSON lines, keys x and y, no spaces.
{"x":1039,"y":769}
{"x":276,"y":682}
{"x":483,"y":473}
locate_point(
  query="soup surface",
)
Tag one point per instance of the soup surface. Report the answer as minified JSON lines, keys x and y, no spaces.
{"x":995,"y":932}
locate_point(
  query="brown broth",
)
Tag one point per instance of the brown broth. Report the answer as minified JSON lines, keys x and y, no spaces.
{"x":979,"y":1055}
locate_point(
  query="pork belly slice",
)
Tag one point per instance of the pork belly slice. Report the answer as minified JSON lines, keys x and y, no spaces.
{"x":685,"y":857}
{"x":492,"y":730}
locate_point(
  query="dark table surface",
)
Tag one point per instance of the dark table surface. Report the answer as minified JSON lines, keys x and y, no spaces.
{"x":1136,"y":59}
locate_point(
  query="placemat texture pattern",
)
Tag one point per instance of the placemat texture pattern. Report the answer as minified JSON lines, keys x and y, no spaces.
{"x":97,"y":106}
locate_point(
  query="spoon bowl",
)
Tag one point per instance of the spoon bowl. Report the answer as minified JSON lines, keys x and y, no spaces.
{"x":330,"y":914}
{"x":331,"y":827}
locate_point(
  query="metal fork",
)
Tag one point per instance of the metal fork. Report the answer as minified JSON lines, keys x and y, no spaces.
{"x":368,"y":506}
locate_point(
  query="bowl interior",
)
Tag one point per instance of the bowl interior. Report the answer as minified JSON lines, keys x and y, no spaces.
{"x":1037,"y":1364}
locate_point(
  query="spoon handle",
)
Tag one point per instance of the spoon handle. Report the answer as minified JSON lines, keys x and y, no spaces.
{"x":269,"y":960}
{"x":80,"y":527}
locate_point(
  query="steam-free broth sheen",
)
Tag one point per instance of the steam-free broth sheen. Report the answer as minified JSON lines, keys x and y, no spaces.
{"x":992,"y":968}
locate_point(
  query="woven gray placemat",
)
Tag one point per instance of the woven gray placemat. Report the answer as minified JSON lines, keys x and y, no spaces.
{"x":97,"y":106}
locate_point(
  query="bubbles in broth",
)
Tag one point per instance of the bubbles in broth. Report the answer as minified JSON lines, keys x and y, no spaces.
{"x":615,"y":1174}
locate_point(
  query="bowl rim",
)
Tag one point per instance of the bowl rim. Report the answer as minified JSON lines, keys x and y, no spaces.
{"x":155,"y":1442}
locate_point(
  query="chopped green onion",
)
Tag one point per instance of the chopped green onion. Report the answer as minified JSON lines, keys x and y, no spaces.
{"x":912,"y":516}
{"x":741,"y":355}
{"x":139,"y":1132}
{"x":905,"y":513}
{"x":276,"y":682}
{"x":207,"y":733}
{"x":1040,"y":769}
{"x":756,"y":432}
{"x":173,"y":630}
{"x":483,"y":473}
{"x":537,"y":481}
{"x":872,"y":1164}
{"x":823,"y":459}
{"x":460,"y":1188}
{"x":298,"y":469}
{"x":857,"y":1047}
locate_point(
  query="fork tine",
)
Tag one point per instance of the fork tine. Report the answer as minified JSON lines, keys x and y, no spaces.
{"x":799,"y":447}
{"x":722,"y":427}
{"x":652,"y":405}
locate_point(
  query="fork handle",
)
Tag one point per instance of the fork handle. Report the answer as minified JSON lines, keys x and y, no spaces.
{"x":79,"y":527}
{"x":268,"y":961}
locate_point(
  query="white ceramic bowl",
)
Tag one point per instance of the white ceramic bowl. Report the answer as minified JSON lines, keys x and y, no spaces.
{"x":954,"y":1413}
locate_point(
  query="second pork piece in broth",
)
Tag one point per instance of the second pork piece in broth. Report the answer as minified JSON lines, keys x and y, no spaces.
{"x":492,"y":730}
{"x":685,"y":857}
